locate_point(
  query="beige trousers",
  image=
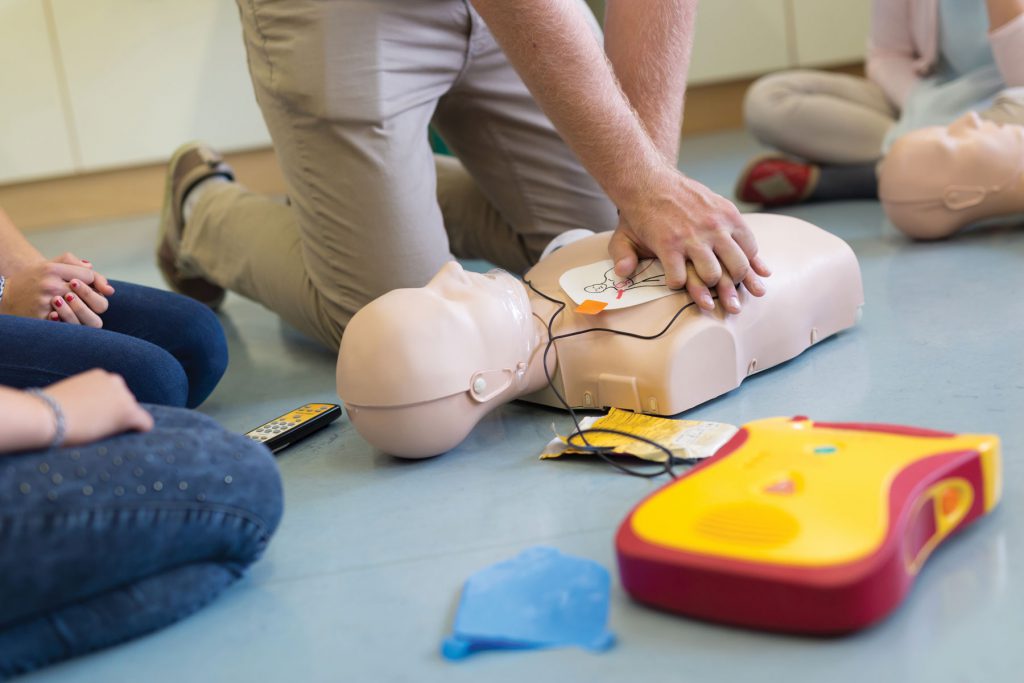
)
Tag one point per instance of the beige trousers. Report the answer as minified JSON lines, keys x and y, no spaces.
{"x":347,"y":89}
{"x":821,"y":116}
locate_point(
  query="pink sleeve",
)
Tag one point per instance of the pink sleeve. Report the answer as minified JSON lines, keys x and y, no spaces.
{"x":1008,"y":48}
{"x":891,"y":54}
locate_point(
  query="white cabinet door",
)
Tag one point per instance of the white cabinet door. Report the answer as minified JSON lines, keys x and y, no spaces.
{"x":33,"y":132}
{"x":831,"y":32}
{"x":739,"y":38}
{"x":147,"y":75}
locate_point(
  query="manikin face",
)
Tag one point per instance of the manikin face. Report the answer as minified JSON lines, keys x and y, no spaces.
{"x":958,"y":165}
{"x":462,"y":332}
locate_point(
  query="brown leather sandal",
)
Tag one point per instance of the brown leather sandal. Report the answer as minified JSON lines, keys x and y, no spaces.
{"x":190,"y":164}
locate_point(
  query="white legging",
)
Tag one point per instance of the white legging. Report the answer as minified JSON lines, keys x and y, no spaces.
{"x":834,"y":118}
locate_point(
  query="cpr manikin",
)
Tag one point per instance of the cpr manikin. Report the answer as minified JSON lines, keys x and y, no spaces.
{"x":418,"y":368}
{"x":938,"y":180}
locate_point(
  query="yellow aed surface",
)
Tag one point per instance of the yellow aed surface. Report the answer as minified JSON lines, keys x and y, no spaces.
{"x":795,"y":493}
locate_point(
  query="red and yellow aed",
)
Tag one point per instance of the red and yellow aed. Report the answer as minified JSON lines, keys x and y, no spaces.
{"x":806,"y":527}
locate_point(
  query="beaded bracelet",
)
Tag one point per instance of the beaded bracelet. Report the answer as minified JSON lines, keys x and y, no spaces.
{"x":58,"y":415}
{"x":3,"y":281}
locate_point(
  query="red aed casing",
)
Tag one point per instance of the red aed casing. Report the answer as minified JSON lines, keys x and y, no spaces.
{"x":803,"y":527}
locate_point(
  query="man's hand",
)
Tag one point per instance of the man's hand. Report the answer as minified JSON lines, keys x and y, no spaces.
{"x":65,"y":288}
{"x":679,"y":220}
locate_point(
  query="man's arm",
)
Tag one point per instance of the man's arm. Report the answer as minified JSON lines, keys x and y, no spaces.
{"x":649,"y":51}
{"x":649,"y":46}
{"x":664,"y":213}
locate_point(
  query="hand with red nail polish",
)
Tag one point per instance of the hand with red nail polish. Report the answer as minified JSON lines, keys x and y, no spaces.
{"x":33,"y":282}
{"x":98,"y":282}
{"x":38,"y":289}
{"x":74,"y":309}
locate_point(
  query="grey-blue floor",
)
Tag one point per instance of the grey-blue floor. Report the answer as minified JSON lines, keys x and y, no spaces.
{"x":361,"y":581}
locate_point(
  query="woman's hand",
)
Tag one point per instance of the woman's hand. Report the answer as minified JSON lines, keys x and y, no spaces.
{"x":66,"y":288}
{"x":99,"y":283}
{"x":97,"y":404}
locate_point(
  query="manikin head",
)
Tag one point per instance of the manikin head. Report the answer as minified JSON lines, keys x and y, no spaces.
{"x":418,"y":368}
{"x":937,"y":180}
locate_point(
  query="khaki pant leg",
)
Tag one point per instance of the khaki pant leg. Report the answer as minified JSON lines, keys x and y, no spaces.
{"x":347,"y":89}
{"x":249,"y":244}
{"x":520,"y":184}
{"x":824,"y":117}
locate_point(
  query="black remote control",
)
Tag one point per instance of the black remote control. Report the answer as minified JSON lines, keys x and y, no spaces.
{"x":285,"y":430}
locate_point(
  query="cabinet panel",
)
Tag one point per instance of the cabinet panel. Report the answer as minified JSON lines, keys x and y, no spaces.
{"x":738,"y":38}
{"x":33,"y":133}
{"x":147,"y":75}
{"x":830,"y":32}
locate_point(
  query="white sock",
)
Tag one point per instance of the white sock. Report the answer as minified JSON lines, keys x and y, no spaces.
{"x":192,"y":196}
{"x":567,"y":237}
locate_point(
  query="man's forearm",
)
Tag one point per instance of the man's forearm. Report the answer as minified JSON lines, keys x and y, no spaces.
{"x":649,"y":45}
{"x":15,"y":251}
{"x":551,"y":45}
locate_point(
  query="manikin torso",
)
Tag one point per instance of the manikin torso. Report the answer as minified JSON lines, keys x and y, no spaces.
{"x":814,"y":292}
{"x":938,"y":180}
{"x":418,"y":368}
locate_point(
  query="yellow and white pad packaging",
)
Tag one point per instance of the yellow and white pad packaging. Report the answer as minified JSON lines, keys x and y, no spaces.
{"x":686,"y":439}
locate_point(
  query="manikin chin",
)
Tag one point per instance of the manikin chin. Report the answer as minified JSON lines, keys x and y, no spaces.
{"x":418,"y":368}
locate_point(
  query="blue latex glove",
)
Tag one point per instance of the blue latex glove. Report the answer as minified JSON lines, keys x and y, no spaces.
{"x":540,"y":598}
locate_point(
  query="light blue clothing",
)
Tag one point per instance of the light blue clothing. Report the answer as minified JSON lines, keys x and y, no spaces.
{"x":966,"y":78}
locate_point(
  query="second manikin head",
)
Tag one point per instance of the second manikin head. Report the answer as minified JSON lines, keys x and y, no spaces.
{"x":937,"y":180}
{"x":418,"y":368}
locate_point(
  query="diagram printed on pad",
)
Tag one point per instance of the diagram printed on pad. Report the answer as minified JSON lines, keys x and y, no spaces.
{"x":598,"y":282}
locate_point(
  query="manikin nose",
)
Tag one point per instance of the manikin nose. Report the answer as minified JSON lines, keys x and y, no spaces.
{"x":967,"y":122}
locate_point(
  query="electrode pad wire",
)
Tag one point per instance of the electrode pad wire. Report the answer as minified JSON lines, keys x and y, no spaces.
{"x":602,"y":451}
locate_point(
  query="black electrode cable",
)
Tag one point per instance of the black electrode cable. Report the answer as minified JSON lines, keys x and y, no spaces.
{"x":602,"y":451}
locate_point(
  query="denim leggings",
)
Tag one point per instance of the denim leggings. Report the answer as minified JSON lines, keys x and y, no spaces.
{"x":106,"y":542}
{"x":169,"y":348}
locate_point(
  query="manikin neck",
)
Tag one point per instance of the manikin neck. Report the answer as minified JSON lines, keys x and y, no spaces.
{"x":1015,"y":195}
{"x":535,"y":377}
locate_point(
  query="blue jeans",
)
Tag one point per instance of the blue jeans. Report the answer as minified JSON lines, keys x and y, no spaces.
{"x":170,"y":349}
{"x":106,"y":542}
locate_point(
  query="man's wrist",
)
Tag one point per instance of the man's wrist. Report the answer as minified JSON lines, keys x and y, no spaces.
{"x":637,"y":186}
